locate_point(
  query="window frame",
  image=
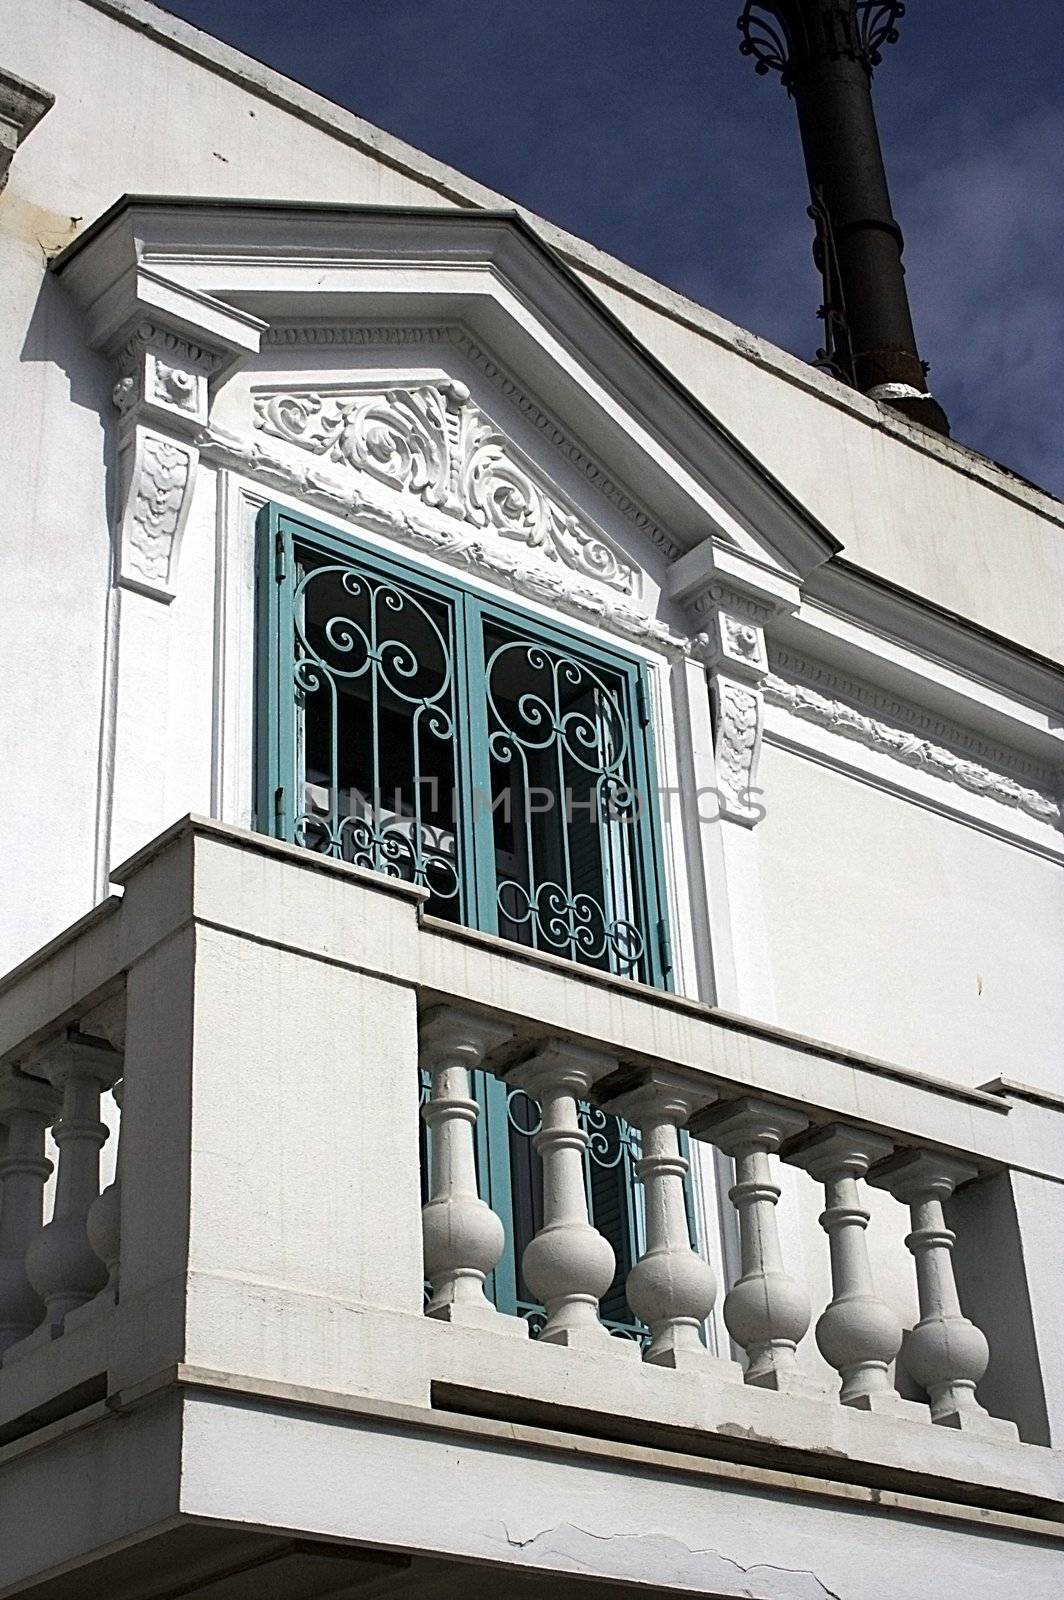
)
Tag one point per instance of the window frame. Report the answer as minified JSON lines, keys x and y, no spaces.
{"x":275,"y":731}
{"x":278,"y":528}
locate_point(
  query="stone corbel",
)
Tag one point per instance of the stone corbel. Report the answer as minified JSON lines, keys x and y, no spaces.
{"x":729,"y":600}
{"x":731,"y":636}
{"x":172,"y":346}
{"x":22,"y":105}
{"x":162,"y":400}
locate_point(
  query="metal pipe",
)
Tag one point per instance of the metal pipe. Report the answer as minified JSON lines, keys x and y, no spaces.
{"x":825,"y":52}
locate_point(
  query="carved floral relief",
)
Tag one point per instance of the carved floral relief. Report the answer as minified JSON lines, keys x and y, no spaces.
{"x":432,"y":442}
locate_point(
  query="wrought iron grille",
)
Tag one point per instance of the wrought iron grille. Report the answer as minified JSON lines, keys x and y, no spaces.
{"x":614,"y":1200}
{"x":564,"y":801}
{"x":372,"y":673}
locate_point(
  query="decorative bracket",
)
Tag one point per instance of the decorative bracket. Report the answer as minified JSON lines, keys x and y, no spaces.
{"x":729,"y":599}
{"x":171,"y":346}
{"x":732,"y":638}
{"x":162,"y":401}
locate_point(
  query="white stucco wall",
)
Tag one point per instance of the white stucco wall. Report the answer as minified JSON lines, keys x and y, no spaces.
{"x":923,"y":939}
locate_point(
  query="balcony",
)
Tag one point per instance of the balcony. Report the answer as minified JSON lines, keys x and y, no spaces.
{"x":226,"y":1365}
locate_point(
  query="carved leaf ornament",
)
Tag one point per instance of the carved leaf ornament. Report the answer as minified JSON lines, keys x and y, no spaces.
{"x":158,"y":497}
{"x":432,"y":442}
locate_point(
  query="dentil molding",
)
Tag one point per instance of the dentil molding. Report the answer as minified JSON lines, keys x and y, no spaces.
{"x":905,"y":734}
{"x":432,"y":442}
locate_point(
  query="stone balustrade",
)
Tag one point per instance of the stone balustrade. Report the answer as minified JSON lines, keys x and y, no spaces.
{"x":265,"y":1096}
{"x":671,"y":1289}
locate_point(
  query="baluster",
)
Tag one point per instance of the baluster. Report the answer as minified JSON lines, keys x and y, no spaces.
{"x":568,"y":1265}
{"x":60,"y":1263}
{"x":671,"y":1288}
{"x":463,"y":1238}
{"x":104,"y":1221}
{"x":766,"y":1311}
{"x":859,"y":1334}
{"x":945,"y":1353}
{"x":27,"y":1108}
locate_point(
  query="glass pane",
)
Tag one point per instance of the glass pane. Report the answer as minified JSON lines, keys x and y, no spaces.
{"x":373,"y":679}
{"x":564,"y":805}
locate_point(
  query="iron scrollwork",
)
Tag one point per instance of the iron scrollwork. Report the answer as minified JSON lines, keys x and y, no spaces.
{"x":370,"y":652}
{"x":609,"y":1138}
{"x":612,"y":1144}
{"x":559,"y":727}
{"x":784,"y":35}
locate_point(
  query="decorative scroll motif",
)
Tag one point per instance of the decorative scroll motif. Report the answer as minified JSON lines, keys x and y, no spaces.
{"x":156,"y":508}
{"x":175,"y":385}
{"x":390,"y":335}
{"x":424,"y":528}
{"x":744,"y":642}
{"x":911,"y":748}
{"x":784,"y":35}
{"x":609,"y":1138}
{"x":432,"y":442}
{"x":556,"y":729}
{"x":373,"y":677}
{"x":550,"y":430}
{"x":737,"y":743}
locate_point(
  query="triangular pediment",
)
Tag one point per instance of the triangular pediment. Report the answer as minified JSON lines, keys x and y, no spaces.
{"x":482,"y":285}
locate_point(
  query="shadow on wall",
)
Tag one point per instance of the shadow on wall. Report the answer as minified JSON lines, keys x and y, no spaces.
{"x":56,"y":334}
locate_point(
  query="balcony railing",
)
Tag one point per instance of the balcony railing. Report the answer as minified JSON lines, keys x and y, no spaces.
{"x":262,"y":1017}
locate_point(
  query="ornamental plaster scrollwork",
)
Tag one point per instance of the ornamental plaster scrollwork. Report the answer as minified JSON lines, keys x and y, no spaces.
{"x":358,"y":498}
{"x":432,"y":443}
{"x":420,"y":336}
{"x":731,"y":645}
{"x":175,"y":386}
{"x":155,"y":510}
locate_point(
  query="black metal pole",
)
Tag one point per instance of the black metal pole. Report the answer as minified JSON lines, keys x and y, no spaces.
{"x":825,"y":51}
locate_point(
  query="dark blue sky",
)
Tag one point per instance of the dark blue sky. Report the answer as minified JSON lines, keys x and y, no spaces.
{"x":639,"y":127}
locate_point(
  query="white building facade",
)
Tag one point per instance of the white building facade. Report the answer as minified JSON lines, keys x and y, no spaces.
{"x":530,"y":1056}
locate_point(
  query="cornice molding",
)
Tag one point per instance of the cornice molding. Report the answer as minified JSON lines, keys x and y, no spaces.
{"x":358,"y":498}
{"x":369,"y":335}
{"x":911,"y":736}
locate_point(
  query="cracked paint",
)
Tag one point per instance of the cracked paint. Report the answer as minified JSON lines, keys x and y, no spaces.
{"x":661,"y":1558}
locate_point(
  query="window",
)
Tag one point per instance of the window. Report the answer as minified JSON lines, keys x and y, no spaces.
{"x":409,"y":725}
